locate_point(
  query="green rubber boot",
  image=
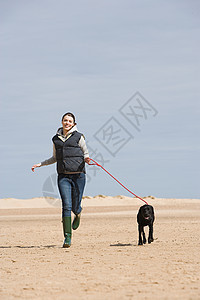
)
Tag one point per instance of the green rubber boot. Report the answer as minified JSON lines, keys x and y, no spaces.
{"x":76,"y":221}
{"x":67,"y":230}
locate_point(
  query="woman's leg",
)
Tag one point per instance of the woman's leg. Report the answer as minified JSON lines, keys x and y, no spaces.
{"x":77,"y":192}
{"x":65,"y":189}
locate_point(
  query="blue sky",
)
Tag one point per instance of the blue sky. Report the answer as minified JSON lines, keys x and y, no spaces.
{"x":90,"y":57}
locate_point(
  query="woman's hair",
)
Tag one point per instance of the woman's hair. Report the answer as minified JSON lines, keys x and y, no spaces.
{"x":69,"y":114}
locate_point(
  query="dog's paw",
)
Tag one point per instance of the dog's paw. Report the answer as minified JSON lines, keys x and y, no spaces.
{"x":150,"y":241}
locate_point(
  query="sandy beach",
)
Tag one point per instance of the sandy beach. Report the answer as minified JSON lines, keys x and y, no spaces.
{"x":104,"y":261}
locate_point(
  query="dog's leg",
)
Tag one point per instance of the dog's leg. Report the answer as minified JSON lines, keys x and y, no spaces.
{"x":140,"y":229}
{"x":144,"y":237}
{"x":150,"y":238}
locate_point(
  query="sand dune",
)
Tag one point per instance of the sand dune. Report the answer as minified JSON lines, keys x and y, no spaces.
{"x":99,"y":200}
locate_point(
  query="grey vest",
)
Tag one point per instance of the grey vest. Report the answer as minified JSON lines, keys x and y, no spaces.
{"x":69,"y":155}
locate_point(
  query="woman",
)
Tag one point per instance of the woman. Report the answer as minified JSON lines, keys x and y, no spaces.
{"x":70,"y":152}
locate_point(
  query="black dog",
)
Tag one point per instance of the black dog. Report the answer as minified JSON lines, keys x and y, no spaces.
{"x":145,"y":217}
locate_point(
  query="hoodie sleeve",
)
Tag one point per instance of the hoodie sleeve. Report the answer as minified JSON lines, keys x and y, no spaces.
{"x":50,"y":160}
{"x":83,"y":146}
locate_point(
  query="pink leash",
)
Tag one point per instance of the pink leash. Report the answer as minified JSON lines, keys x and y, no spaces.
{"x":97,"y":164}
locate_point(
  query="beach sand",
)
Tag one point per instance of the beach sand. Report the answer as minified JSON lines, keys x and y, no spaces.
{"x":104,"y":261}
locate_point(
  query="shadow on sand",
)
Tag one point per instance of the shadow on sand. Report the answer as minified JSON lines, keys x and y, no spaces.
{"x":122,"y":245}
{"x":28,"y":247}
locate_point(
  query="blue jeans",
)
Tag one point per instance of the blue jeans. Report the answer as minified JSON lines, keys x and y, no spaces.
{"x":71,"y":187}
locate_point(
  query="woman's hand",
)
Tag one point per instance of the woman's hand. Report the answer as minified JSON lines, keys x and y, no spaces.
{"x":35,"y":166}
{"x":87,"y":160}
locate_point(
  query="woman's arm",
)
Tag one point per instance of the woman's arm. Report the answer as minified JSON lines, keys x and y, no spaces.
{"x":50,"y":160}
{"x":83,"y":146}
{"x":46,"y":162}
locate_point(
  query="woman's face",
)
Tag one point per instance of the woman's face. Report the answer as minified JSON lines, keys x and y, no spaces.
{"x":67,"y":123}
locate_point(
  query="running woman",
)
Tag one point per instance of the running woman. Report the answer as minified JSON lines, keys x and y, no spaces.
{"x":70,"y":152}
